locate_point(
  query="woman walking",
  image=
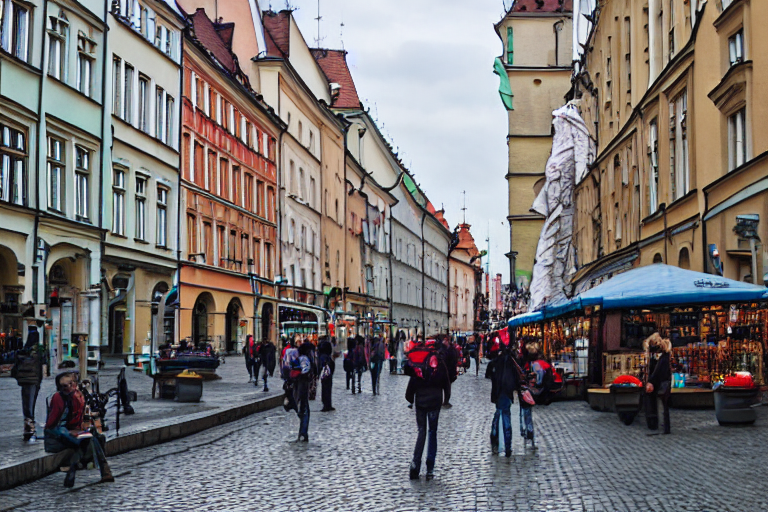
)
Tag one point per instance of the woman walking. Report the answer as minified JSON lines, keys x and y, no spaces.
{"x":361,"y":363}
{"x":349,"y":363}
{"x":530,"y":354}
{"x":658,"y":388}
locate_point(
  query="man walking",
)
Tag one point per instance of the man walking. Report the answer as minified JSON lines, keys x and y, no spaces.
{"x":325,"y":356}
{"x":378,"y":354}
{"x":265,"y":354}
{"x":503,"y":373}
{"x":427,"y":393}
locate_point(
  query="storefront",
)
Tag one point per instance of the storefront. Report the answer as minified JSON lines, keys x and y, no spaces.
{"x":717,"y":326}
{"x":308,"y":322}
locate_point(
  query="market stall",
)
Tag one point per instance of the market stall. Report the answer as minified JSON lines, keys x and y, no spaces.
{"x":717,"y":327}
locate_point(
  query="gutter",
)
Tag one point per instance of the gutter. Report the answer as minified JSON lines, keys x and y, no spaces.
{"x":35,"y":292}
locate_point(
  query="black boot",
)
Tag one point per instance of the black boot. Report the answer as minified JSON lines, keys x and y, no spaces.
{"x":69,"y":480}
{"x":414,"y":472}
{"x":106,"y":473}
{"x":494,"y":444}
{"x":430,"y":473}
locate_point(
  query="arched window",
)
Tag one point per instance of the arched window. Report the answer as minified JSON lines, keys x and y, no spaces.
{"x":684,"y":261}
{"x":657,"y":258}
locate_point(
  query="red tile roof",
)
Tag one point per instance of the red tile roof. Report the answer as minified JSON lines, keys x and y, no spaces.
{"x":439,"y":215}
{"x":535,"y":6}
{"x":277,"y":28}
{"x":466,"y":240}
{"x":206,"y":34}
{"x":226,"y":31}
{"x":334,"y":65}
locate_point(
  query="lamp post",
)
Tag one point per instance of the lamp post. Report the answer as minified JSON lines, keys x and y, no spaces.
{"x":746,"y":227}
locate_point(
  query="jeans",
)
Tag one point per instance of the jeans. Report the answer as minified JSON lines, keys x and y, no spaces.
{"x":302,"y":402}
{"x":424,"y":416}
{"x":375,"y":375}
{"x":264,"y":373}
{"x":325,"y":392}
{"x":503,"y":405}
{"x":359,"y":379}
{"x":526,"y":421}
{"x":351,"y":378}
{"x":29,"y":399}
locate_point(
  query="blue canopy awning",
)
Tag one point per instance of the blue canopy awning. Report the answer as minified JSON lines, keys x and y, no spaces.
{"x":649,"y":286}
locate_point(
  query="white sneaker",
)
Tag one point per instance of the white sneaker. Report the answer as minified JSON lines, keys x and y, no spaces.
{"x":32,"y":440}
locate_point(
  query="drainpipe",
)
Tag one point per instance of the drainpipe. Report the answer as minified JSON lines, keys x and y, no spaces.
{"x":705,"y":245}
{"x":423,"y":302}
{"x":36,"y":290}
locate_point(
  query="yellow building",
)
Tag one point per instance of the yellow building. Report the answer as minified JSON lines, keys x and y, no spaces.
{"x":537,"y":60}
{"x":680,"y":176}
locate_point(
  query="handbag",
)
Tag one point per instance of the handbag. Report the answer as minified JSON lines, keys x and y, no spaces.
{"x":526,"y":396}
{"x":325,"y":373}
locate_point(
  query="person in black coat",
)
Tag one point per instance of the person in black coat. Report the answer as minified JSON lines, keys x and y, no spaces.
{"x":659,"y":386}
{"x":504,"y":373}
{"x":349,"y":362}
{"x":428,"y":396}
{"x":325,"y":357}
{"x":361,"y":364}
{"x":28,"y":372}
{"x":265,"y":353}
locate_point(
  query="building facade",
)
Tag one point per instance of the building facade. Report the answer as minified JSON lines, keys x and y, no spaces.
{"x":141,"y":189}
{"x":228,"y":195}
{"x":536,"y":39}
{"x":465,"y":278}
{"x":680,"y":176}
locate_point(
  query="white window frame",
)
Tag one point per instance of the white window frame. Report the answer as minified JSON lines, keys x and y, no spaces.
{"x":82,"y":171}
{"x":160,"y":114}
{"x":13,"y":165}
{"x":162,"y":216}
{"x":118,"y":201}
{"x":736,"y":47}
{"x":128,"y":86}
{"x":57,"y":45}
{"x":680,"y":172}
{"x":56,"y":173}
{"x":170,"y":125}
{"x":15,"y":29}
{"x":117,"y":86}
{"x":737,"y":138}
{"x":653,"y":177}
{"x":85,"y":65}
{"x":145,"y":107}
{"x":141,"y":207}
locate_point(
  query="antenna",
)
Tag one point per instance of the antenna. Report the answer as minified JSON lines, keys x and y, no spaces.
{"x":464,"y":209}
{"x":319,"y":39}
{"x":488,"y":260}
{"x":341,"y":34}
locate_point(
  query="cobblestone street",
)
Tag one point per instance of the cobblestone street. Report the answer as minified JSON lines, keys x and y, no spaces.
{"x":357,"y":459}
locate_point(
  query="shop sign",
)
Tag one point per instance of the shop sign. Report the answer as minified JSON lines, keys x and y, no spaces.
{"x":711,"y":283}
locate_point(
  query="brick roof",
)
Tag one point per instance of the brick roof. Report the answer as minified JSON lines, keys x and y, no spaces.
{"x":536,"y":6}
{"x":334,"y":65}
{"x":226,"y":31}
{"x":206,"y":34}
{"x":277,"y":28}
{"x":440,"y":216}
{"x":466,"y":240}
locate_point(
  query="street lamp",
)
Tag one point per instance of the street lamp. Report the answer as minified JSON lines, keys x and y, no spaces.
{"x":746,"y":228}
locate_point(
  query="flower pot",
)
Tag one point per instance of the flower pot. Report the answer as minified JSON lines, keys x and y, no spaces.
{"x":734,"y":405}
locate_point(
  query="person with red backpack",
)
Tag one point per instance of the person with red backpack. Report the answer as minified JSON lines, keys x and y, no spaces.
{"x":428,"y":388}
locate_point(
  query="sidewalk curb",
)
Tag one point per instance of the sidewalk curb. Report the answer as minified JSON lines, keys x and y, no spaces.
{"x":32,"y":470}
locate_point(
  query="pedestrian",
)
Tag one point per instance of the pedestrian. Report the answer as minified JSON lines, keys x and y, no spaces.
{"x":265,"y":353}
{"x":287,"y":363}
{"x":28,"y":372}
{"x":63,"y":430}
{"x":530,"y":355}
{"x":249,"y":354}
{"x":360,"y":362}
{"x":378,"y":354}
{"x":474,"y":352}
{"x":349,"y":362}
{"x":503,"y":371}
{"x":428,"y":395}
{"x":658,"y":388}
{"x":313,"y":369}
{"x":301,"y":390}
{"x":327,"y":368}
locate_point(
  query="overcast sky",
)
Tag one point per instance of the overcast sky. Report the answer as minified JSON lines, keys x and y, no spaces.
{"x":425,"y":69}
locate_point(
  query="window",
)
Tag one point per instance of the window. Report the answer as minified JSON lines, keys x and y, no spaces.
{"x":312,"y":187}
{"x":292,"y":179}
{"x":210,"y":183}
{"x":118,"y":202}
{"x":141,"y":207}
{"x":260,"y":198}
{"x":291,"y":232}
{"x":128,"y":95}
{"x":15,"y":29}
{"x":198,"y":165}
{"x":678,"y":146}
{"x":301,"y":132}
{"x":312,"y":141}
{"x":191,"y":234}
{"x":82,"y":170}
{"x":169,"y":117}
{"x":85,"y":58}
{"x":653,"y":178}
{"x":236,"y":198}
{"x":224,"y":113}
{"x":737,"y":139}
{"x":736,"y":47}
{"x":207,"y":248}
{"x":303,"y":241}
{"x":270,"y":215}
{"x":13,"y":166}
{"x":257,"y":256}
{"x":248,"y":192}
{"x":117,"y":86}
{"x":671,"y":29}
{"x":160,"y":114}
{"x":58,"y":29}
{"x":55,"y":173}
{"x":224,"y":178}
{"x":510,"y":47}
{"x":302,"y":185}
{"x":221,"y":245}
{"x":268,"y":260}
{"x":144,"y":106}
{"x":162,"y":216}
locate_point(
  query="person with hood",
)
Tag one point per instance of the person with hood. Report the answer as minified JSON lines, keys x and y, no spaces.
{"x":659,"y":385}
{"x":377,"y":355}
{"x":28,"y":372}
{"x":361,"y":363}
{"x":301,"y":390}
{"x":265,"y":353}
{"x":325,"y":357}
{"x":428,"y":396}
{"x":503,"y":371}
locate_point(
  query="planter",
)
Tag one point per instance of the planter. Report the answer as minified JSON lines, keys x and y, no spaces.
{"x":734,"y":405}
{"x":626,"y":402}
{"x":189,"y":389}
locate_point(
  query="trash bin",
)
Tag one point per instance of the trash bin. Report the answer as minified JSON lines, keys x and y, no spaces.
{"x":733,"y":405}
{"x":627,"y":400}
{"x":189,"y":387}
